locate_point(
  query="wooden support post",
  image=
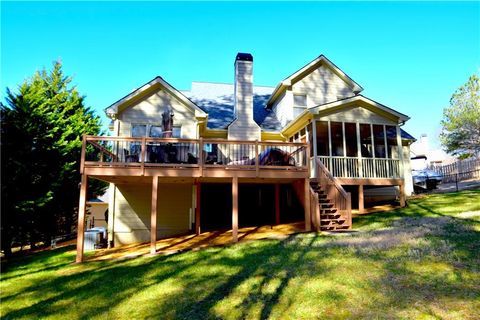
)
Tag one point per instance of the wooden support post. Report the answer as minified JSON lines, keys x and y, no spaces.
{"x":257,"y":165}
{"x":198,"y":189}
{"x":361,"y":207}
{"x":317,"y":212}
{"x":153,"y":217}
{"x":83,"y":153}
{"x":235,"y":209}
{"x":402,"y":195}
{"x":200,"y":156}
{"x":308,"y":220}
{"x":143,"y":153}
{"x":277,"y":203}
{"x":81,"y":218}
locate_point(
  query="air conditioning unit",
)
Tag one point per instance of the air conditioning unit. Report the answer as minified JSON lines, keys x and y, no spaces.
{"x":93,"y":239}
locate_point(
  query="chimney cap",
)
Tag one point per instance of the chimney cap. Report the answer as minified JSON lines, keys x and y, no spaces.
{"x":244,"y":57}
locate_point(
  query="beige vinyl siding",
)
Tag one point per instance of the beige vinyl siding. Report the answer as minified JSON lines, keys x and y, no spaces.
{"x":358,"y":114}
{"x":283,"y":108}
{"x":132,"y":211}
{"x":149,"y":111}
{"x":322,"y":86}
{"x":407,"y":171}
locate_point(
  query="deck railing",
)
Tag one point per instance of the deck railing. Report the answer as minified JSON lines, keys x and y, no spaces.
{"x":352,"y":167}
{"x":204,"y":153}
{"x":340,"y":199}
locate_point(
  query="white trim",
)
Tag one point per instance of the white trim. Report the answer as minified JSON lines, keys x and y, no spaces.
{"x":114,"y":109}
{"x":359,"y":98}
{"x":283,"y":85}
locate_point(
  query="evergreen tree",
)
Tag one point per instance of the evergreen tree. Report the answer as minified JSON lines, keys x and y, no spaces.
{"x":42,"y":128}
{"x":461,"y":120}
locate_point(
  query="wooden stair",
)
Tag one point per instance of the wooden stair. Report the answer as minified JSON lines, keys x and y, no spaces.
{"x":331,"y":219}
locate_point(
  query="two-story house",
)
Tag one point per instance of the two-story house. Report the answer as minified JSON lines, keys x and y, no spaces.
{"x":222,"y":155}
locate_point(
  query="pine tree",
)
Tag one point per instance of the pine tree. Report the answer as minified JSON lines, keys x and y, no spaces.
{"x":42,"y":128}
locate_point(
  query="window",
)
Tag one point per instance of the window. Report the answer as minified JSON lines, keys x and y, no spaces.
{"x":154,"y":131}
{"x":310,"y":137}
{"x":177,"y":132}
{"x":299,"y":104}
{"x":139,"y":130}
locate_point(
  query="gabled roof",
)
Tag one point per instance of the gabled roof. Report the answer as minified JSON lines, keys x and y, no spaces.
{"x":115,"y":108}
{"x":362,"y":100}
{"x":306,"y":70}
{"x":217,"y":100}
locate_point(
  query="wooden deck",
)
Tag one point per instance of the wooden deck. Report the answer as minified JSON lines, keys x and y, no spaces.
{"x":109,"y":158}
{"x":195,"y":242}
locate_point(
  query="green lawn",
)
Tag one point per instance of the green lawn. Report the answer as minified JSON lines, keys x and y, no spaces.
{"x":420,"y":262}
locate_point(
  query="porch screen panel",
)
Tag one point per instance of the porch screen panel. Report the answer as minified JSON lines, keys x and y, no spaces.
{"x":366,"y":140}
{"x":322,"y":138}
{"x":392,"y":145}
{"x":337,"y":139}
{"x":379,"y":139}
{"x":351,"y":139}
{"x":310,"y":138}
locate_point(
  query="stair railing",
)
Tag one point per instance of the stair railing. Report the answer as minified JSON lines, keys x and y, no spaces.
{"x":341,"y":199}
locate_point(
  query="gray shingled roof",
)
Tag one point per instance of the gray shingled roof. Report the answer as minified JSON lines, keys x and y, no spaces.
{"x":217,"y":99}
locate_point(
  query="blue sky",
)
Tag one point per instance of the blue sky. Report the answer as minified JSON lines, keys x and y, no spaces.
{"x":410,"y":56}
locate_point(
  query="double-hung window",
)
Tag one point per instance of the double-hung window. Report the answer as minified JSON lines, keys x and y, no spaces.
{"x":299,"y":104}
{"x":154,"y":131}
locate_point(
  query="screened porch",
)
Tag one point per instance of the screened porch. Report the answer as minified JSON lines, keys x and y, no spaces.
{"x":355,"y":150}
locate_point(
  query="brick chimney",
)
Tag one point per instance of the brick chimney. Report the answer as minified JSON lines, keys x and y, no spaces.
{"x":243,"y":127}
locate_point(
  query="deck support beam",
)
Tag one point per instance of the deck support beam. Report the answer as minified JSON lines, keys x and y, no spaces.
{"x":306,"y":205}
{"x":81,"y":217}
{"x":361,"y":204}
{"x":402,"y":195}
{"x":235,"y":209}
{"x":277,"y":203}
{"x":153,"y":216}
{"x":198,"y":189}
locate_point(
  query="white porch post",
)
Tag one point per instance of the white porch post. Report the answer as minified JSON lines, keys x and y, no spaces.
{"x":386,"y":150}
{"x":373,"y":151}
{"x":359,"y":152}
{"x":344,"y":162}
{"x":314,"y":146}
{"x":330,"y":148}
{"x":400,"y":152}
